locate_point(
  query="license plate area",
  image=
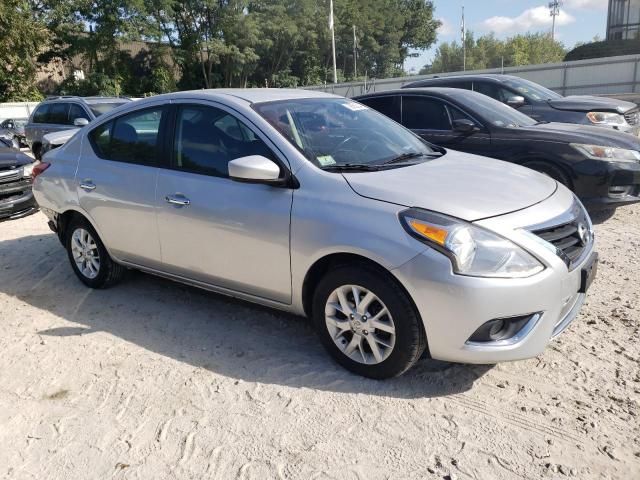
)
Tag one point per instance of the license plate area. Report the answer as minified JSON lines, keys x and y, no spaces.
{"x":588,"y":273}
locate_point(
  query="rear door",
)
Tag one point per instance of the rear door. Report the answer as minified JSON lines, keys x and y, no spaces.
{"x":116,"y":183}
{"x":432,"y":118}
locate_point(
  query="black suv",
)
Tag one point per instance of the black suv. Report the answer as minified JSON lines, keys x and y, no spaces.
{"x":543,"y":104}
{"x":63,"y":113}
{"x":601,"y":166}
{"x":16,"y":197}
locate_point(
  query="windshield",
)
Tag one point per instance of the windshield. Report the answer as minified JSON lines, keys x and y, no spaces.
{"x":100,"y":108}
{"x":495,"y":112}
{"x":531,"y":90}
{"x":334,"y":132}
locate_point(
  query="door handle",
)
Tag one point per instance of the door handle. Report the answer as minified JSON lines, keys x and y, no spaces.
{"x":180,"y":201}
{"x":87,"y":185}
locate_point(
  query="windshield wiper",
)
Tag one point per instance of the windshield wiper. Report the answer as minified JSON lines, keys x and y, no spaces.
{"x":410,"y":155}
{"x":541,"y":122}
{"x":353,"y":167}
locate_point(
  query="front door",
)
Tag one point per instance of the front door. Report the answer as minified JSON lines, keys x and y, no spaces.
{"x":213,"y":229}
{"x":432,"y":119}
{"x":116,"y":184}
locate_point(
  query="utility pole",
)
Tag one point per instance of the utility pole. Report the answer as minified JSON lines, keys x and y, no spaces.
{"x":464,"y":42}
{"x":355,"y":54}
{"x":554,"y":11}
{"x":333,"y":41}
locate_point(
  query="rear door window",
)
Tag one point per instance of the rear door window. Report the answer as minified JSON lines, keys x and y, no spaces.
{"x":58,"y":114}
{"x":387,"y":105}
{"x":493,"y":90}
{"x":132,"y":138}
{"x":424,"y":113}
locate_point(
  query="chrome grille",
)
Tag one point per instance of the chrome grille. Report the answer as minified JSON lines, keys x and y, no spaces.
{"x":632,"y":118}
{"x":7,"y":176}
{"x":571,"y":235}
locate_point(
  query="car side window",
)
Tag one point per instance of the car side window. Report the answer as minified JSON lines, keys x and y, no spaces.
{"x":58,"y":114}
{"x":466,"y":85}
{"x":41,"y":114}
{"x":76,"y":111}
{"x":132,"y":138}
{"x":387,"y":105}
{"x":207,"y":139}
{"x":423,"y":113}
{"x":492,"y":90}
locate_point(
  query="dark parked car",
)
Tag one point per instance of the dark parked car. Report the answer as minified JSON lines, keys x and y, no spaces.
{"x":63,"y":113}
{"x":543,"y":104}
{"x":16,"y":198}
{"x":13,"y":128}
{"x":601,"y":166}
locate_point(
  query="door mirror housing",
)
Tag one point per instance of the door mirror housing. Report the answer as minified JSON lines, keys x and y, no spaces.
{"x":516,"y":101}
{"x":464,"y":125}
{"x":255,"y":169}
{"x":80,"y":122}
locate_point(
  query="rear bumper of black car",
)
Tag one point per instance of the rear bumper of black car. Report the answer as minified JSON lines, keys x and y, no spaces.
{"x":604,"y":185}
{"x":16,"y":200}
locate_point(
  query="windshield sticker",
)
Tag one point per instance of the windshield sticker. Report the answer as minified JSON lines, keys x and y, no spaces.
{"x":355,"y":107}
{"x":326,"y":160}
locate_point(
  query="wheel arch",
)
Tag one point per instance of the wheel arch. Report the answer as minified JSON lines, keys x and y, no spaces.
{"x":550,"y":164}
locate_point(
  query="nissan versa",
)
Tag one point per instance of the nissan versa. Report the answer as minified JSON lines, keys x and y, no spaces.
{"x":318,"y":205}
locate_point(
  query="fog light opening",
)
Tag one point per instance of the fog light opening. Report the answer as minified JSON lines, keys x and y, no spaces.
{"x":620,"y":190}
{"x":502,"y":331}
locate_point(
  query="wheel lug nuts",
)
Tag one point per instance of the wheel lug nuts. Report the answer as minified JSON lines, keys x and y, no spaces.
{"x":365,"y":332}
{"x":364,"y":318}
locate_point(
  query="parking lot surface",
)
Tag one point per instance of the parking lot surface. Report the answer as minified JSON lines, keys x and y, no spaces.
{"x":152,"y":379}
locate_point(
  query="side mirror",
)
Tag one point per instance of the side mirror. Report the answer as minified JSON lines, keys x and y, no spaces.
{"x":464,"y":125}
{"x":255,"y":169}
{"x":516,"y":101}
{"x":80,"y":122}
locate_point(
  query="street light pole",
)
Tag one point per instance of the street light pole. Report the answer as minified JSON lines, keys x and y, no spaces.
{"x":554,"y":11}
{"x":333,"y":41}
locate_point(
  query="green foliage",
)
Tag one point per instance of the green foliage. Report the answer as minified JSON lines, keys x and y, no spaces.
{"x":608,"y":48}
{"x":489,"y":52}
{"x":21,"y":40}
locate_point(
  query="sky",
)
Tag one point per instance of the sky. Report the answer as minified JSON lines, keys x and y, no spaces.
{"x":579,"y":21}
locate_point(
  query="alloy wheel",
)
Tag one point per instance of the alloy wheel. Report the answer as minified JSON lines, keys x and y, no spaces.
{"x":85,"y":253}
{"x":360,"y":324}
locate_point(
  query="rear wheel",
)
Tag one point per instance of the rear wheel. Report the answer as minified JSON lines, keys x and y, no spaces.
{"x":89,"y":258}
{"x":367,"y":322}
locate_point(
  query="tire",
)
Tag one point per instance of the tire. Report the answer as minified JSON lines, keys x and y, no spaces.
{"x":551,"y":171}
{"x":101,"y":271}
{"x":396,"y":352}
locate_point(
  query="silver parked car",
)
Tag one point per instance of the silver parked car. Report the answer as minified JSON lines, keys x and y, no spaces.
{"x":63,"y":113}
{"x":318,"y":205}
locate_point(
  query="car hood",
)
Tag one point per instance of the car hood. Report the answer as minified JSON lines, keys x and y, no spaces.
{"x":458,"y":184}
{"x":13,"y":158}
{"x":61,"y":137}
{"x":587,"y":134}
{"x":588,"y":103}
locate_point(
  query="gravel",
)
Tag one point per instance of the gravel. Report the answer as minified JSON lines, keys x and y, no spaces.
{"x":152,"y":379}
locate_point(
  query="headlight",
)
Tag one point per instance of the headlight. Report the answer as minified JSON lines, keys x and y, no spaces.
{"x":473,"y":251}
{"x":598,"y":152}
{"x":604,"y":118}
{"x":27,"y":170}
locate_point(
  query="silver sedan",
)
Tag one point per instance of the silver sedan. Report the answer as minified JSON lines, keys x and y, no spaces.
{"x":318,"y":205}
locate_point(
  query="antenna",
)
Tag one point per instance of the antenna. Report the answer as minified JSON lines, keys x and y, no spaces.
{"x":554,"y":11}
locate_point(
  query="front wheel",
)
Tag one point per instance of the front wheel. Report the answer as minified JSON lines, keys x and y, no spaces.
{"x":89,"y":258}
{"x":367,"y":322}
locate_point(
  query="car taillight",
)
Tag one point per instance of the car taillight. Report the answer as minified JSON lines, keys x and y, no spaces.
{"x":38,"y":169}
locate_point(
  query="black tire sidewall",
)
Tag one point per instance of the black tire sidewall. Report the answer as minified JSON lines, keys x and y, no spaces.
{"x":100,"y":280}
{"x":410,"y":341}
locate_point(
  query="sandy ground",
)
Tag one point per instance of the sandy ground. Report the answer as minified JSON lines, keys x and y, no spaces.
{"x":154,"y":380}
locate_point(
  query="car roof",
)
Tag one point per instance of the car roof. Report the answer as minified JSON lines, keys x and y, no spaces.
{"x":437,"y":91}
{"x":88,"y":100}
{"x":480,"y":76}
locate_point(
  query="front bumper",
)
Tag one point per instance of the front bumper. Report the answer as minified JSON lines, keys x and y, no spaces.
{"x":604,"y":185}
{"x":453,"y":307}
{"x":17,"y":200}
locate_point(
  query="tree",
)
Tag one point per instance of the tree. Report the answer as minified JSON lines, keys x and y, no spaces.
{"x":489,"y":52}
{"x":23,"y":37}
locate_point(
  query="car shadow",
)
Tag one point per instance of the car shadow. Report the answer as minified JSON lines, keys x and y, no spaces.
{"x":210,"y":331}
